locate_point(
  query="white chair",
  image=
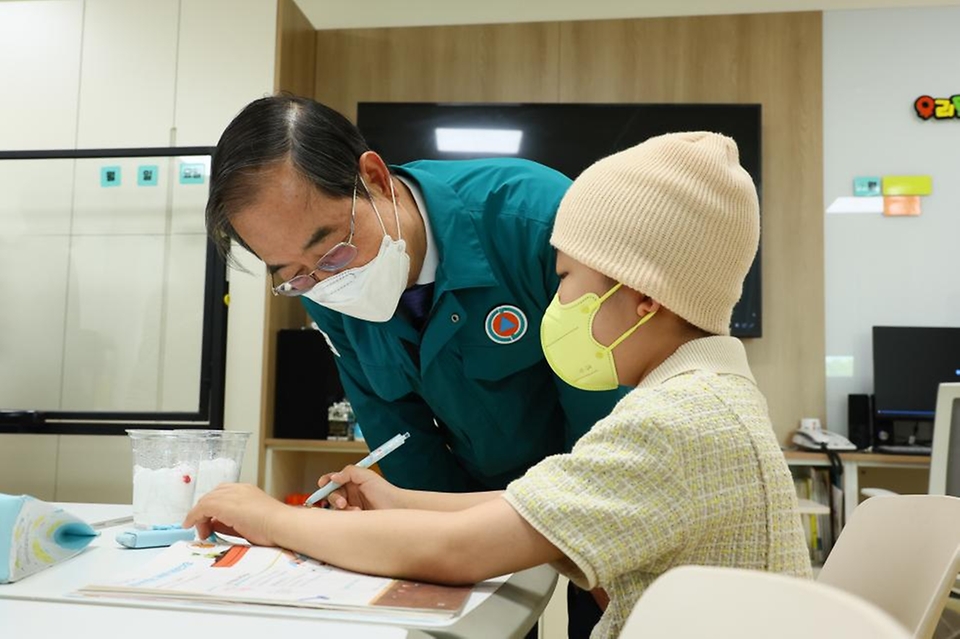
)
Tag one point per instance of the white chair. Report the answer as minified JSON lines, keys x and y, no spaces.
{"x":944,"y":476}
{"x":692,"y":602}
{"x":945,"y":452}
{"x":901,"y":553}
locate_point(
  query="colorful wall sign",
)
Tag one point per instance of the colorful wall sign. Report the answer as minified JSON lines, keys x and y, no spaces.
{"x":147,"y":175}
{"x":109,"y":176}
{"x":191,"y":173}
{"x":866,"y":186}
{"x":901,"y":205}
{"x":937,"y":108}
{"x":907,"y":185}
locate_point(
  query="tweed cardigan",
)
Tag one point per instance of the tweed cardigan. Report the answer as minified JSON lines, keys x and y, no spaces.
{"x":685,"y":470}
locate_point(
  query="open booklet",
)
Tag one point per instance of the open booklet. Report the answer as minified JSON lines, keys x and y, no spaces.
{"x":213,"y":572}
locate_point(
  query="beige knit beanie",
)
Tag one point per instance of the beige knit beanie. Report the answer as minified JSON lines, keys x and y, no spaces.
{"x":676,"y":218}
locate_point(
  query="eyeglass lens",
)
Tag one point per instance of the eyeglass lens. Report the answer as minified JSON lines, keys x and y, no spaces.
{"x":337,"y":257}
{"x":333,"y":260}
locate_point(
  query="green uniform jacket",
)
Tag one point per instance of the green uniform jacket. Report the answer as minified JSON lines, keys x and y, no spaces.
{"x":483,"y":405}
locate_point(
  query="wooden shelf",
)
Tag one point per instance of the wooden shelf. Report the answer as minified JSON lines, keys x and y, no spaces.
{"x":863,"y":459}
{"x":318,"y":445}
{"x":293,"y":465}
{"x":853,"y":465}
{"x":809,"y":507}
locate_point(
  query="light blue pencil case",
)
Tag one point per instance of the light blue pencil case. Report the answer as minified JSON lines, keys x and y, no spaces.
{"x":35,"y":535}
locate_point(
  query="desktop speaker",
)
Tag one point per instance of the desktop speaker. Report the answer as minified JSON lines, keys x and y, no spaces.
{"x":860,"y":420}
{"x":307,"y":383}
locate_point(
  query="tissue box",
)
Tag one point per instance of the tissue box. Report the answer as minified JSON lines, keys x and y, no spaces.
{"x":35,"y":535}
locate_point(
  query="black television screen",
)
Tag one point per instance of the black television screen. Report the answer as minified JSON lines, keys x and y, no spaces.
{"x":566,"y":137}
{"x":909,"y":363}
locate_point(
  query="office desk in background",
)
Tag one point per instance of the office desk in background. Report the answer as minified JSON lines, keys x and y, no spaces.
{"x":41,"y":605}
{"x":852,"y":463}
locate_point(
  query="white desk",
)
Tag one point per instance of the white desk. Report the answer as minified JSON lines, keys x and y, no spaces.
{"x":41,"y":605}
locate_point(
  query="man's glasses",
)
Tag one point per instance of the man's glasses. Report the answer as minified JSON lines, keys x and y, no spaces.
{"x":333,"y":260}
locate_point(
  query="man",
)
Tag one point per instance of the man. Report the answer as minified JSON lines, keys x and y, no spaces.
{"x":429,"y":281}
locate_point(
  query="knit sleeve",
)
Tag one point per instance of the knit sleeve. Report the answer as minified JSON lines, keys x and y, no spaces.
{"x":617,"y":503}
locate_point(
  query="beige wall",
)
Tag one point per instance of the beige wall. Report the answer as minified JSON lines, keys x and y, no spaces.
{"x":772,"y":59}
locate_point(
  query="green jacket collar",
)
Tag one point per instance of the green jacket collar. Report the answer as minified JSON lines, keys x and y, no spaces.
{"x":463,"y":262}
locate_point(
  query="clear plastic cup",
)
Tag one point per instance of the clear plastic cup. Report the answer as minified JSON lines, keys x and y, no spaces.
{"x":221,"y":459}
{"x":165,"y":468}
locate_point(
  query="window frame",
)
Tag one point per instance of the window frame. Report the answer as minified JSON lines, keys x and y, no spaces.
{"x":214,"y":340}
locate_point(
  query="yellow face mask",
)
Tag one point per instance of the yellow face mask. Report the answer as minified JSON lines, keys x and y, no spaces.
{"x":566,"y":335}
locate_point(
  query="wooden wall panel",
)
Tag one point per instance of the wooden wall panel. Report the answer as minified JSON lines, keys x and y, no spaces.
{"x":772,"y":59}
{"x":485,"y":63}
{"x":295,"y":73}
{"x":296,"y":41}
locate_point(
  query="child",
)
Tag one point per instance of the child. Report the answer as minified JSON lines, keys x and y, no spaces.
{"x":653,"y":245}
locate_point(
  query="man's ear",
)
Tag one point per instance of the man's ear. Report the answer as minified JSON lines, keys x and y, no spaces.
{"x":375,"y":174}
{"x":647,"y":305}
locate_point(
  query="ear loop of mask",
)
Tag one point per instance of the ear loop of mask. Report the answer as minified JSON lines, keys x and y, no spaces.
{"x":396,"y":213}
{"x":643,"y":320}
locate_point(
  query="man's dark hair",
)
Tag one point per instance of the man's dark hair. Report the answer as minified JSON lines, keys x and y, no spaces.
{"x":321,"y":144}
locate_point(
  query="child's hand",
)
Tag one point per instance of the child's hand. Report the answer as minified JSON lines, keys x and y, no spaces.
{"x":237,"y":509}
{"x":361,"y":489}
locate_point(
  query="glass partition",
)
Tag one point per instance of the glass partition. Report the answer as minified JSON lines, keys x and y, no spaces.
{"x":113,"y":300}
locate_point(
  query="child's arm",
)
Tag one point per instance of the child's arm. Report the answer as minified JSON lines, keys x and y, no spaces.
{"x":466,"y":546}
{"x":366,"y":490}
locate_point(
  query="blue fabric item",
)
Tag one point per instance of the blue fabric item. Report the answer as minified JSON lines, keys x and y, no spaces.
{"x":155,"y":538}
{"x":9,"y":507}
{"x":75,"y":535}
{"x":481,"y":407}
{"x":35,"y":535}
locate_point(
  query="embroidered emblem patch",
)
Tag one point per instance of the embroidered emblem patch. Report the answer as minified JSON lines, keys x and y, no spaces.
{"x":506,"y":324}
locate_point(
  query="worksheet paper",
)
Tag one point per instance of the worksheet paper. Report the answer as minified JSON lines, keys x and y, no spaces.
{"x":216,"y":572}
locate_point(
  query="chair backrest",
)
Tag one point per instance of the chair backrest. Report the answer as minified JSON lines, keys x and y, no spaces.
{"x":902,"y":553}
{"x":944,"y":475}
{"x":692,"y":602}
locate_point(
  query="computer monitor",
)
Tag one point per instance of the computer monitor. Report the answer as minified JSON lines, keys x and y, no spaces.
{"x":909,"y":363}
{"x":945,"y":454}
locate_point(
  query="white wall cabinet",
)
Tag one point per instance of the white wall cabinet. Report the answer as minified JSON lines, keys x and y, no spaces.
{"x":128,"y":73}
{"x":225,"y":60}
{"x":108,"y":74}
{"x":40,"y":67}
